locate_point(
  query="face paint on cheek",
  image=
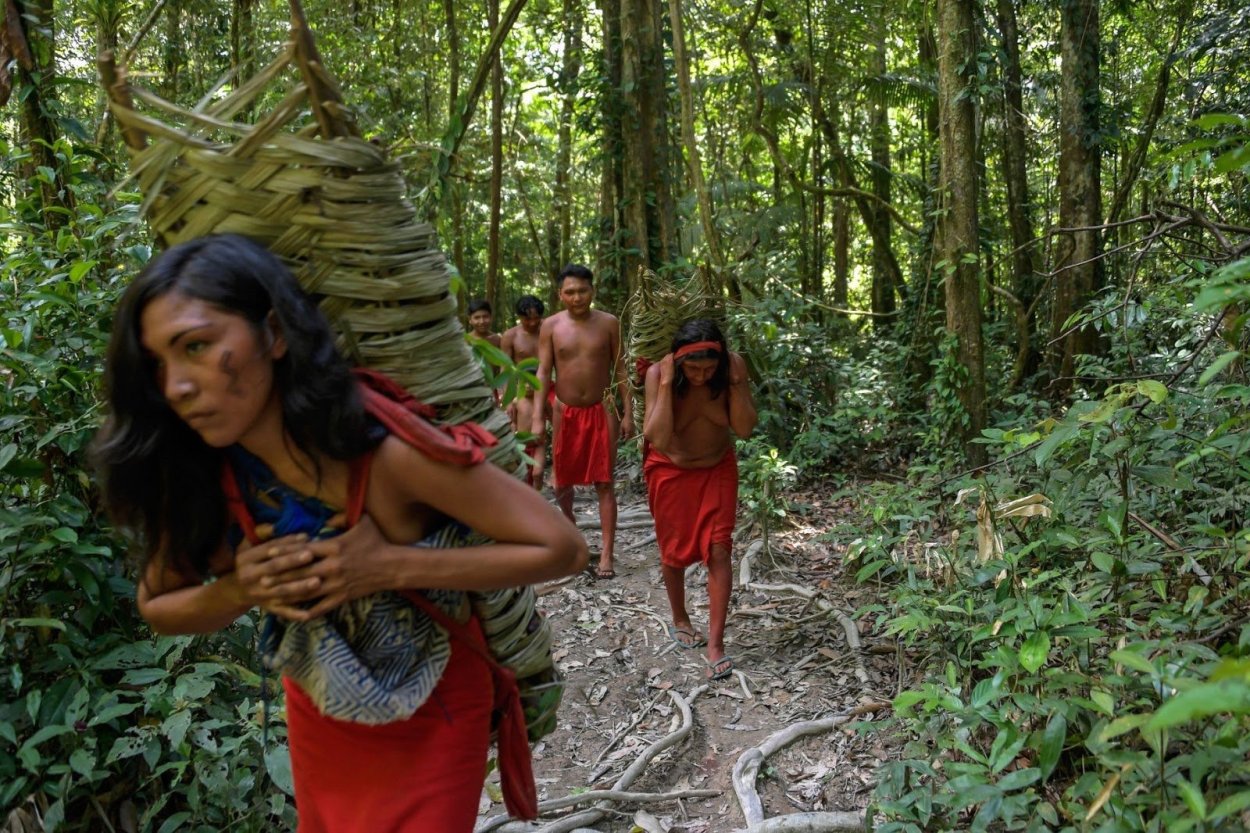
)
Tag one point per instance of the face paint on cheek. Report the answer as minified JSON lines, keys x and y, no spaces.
{"x":226,"y":366}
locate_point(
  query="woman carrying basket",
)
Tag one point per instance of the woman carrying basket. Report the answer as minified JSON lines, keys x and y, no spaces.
{"x":239,"y":451}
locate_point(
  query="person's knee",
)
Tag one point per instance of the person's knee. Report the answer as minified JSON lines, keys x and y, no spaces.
{"x":719,"y":556}
{"x":605,"y":489}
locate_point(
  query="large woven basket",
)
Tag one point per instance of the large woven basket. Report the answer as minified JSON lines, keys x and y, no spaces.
{"x":655,"y":312}
{"x":300,"y":179}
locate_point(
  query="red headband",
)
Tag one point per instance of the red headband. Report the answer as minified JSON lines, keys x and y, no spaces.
{"x":697,"y":347}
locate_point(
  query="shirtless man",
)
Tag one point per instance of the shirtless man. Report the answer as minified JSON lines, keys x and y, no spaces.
{"x":584,"y":347}
{"x":521,"y":343}
{"x":480,"y":318}
{"x":697,"y":399}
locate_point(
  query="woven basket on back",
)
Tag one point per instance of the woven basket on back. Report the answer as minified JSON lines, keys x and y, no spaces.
{"x":655,"y":312}
{"x":300,"y":179}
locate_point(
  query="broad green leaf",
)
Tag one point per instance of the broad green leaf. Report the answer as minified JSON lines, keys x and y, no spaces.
{"x":1155,"y":391}
{"x":36,"y":622}
{"x":1204,"y":700}
{"x":1133,"y":660}
{"x":1034,"y":651}
{"x":1192,"y":796}
{"x":1235,"y":803}
{"x":1223,"y":361}
{"x":278,"y":765}
{"x":1051,"y":745}
{"x":1019,"y":779}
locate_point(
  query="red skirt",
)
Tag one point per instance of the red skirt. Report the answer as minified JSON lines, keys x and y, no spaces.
{"x":582,"y":451}
{"x":420,"y":775}
{"x":694,"y":509}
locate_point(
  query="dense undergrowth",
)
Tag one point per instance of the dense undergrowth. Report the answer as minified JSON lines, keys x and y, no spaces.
{"x":100,"y":723}
{"x":1075,"y":618}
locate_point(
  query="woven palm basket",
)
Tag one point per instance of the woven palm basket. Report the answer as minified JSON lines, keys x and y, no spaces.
{"x":300,"y":179}
{"x":655,"y":312}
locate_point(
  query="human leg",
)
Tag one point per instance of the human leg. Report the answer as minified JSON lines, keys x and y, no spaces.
{"x":719,"y":584}
{"x":675,"y":586}
{"x":564,"y":497}
{"x":607,"y":521}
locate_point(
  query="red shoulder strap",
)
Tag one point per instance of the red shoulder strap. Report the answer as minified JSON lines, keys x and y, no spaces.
{"x":408,"y":419}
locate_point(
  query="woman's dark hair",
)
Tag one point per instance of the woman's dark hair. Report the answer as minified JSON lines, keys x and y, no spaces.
{"x":478,"y":305}
{"x":692,"y":332}
{"x":161,"y":482}
{"x":527,"y":304}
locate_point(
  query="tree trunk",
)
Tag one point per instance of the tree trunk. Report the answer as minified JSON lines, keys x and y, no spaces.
{"x":841,"y":252}
{"x":172,"y":52}
{"x":694,"y":162}
{"x":496,"y":164}
{"x":956,"y":233}
{"x":612,"y":262}
{"x":453,"y":95}
{"x":1025,"y":263}
{"x":649,"y":216}
{"x":564,"y":150}
{"x":883,"y":271}
{"x":1079,"y":274}
{"x":37,"y":94}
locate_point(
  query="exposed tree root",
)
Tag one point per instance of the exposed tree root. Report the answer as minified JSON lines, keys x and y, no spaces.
{"x":748,"y":767}
{"x":584,"y":818}
{"x":848,"y":625}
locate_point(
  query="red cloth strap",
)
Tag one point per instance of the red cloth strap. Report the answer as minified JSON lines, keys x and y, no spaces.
{"x":697,"y":347}
{"x":408,"y":419}
{"x":516,"y":766}
{"x":641,"y":366}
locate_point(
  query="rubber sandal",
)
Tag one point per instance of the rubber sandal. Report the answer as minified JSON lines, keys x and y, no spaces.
{"x":727,"y":661}
{"x":696,"y":639}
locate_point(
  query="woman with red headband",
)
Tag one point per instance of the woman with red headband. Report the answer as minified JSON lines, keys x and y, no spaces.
{"x":697,"y":399}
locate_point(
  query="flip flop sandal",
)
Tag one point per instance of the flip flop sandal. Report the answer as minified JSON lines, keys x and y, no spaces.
{"x":727,"y":661}
{"x":696,"y":639}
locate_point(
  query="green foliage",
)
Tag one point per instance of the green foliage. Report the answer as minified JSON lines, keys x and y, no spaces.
{"x":97,"y":718}
{"x":1090,"y":672}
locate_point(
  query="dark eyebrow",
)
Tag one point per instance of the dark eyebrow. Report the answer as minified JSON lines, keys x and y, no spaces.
{"x":178,"y":335}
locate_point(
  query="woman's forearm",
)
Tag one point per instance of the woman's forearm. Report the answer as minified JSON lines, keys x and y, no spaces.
{"x":200,"y":608}
{"x":487,"y":567}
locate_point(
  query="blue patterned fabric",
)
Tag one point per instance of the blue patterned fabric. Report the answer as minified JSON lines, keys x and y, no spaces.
{"x":372,"y":660}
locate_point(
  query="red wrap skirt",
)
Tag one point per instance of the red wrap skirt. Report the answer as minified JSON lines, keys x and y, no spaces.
{"x":420,"y":775}
{"x":582,"y":451}
{"x":694,"y":509}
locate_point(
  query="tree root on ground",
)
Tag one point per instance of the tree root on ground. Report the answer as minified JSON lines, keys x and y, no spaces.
{"x":848,"y":625}
{"x":584,"y":818}
{"x":748,"y":767}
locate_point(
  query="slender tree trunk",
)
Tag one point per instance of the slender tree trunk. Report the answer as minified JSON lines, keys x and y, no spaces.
{"x":841,"y":252}
{"x":694,"y":161}
{"x":650,"y":218}
{"x":171,"y":51}
{"x":38,"y":100}
{"x":883,"y":272}
{"x":496,"y":164}
{"x":612,"y":197}
{"x":1080,"y":275}
{"x":564,"y":150}
{"x":956,"y":233}
{"x":453,"y":94}
{"x":1025,"y":263}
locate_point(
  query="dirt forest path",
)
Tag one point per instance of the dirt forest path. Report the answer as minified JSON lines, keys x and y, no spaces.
{"x":629,"y":687}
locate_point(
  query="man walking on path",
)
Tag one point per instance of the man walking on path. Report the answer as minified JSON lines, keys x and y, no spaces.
{"x":520,"y":343}
{"x":584,"y":348}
